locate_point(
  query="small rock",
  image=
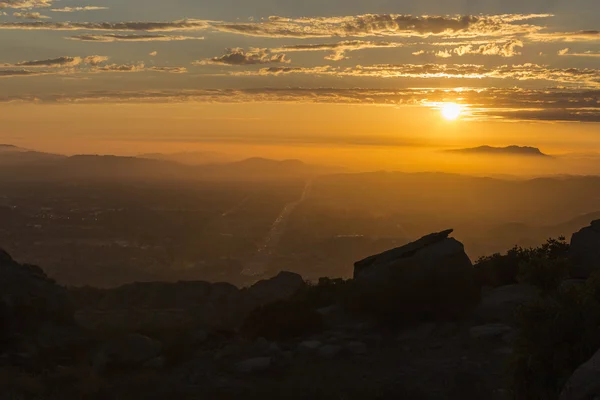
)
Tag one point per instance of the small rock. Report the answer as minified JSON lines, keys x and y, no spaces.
{"x":155,"y":363}
{"x":309,"y":345}
{"x":198,"y":337}
{"x":420,"y":332}
{"x":489,"y":331}
{"x":252,"y":365}
{"x":357,"y":348}
{"x":330,"y":351}
{"x":262,"y":345}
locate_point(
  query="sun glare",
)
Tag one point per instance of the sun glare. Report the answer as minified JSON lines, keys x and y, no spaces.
{"x":451,"y":111}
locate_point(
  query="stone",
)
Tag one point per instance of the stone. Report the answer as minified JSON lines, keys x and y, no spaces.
{"x":281,"y":287}
{"x":500,"y":304}
{"x":357,"y":348}
{"x":432,"y":276}
{"x":309,"y":345}
{"x":490,"y":331}
{"x":330,"y":351}
{"x":253,"y":365}
{"x":420,"y":332}
{"x":126,"y":352}
{"x":585,"y":251}
{"x":584,"y":383}
{"x":155,"y":363}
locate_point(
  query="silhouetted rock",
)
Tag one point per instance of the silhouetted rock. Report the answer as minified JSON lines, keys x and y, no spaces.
{"x":489,"y":331}
{"x":432,"y":277}
{"x":253,"y":365}
{"x":584,"y":384}
{"x":127,"y":352}
{"x":585,"y":251}
{"x":29,"y":299}
{"x":281,"y":287}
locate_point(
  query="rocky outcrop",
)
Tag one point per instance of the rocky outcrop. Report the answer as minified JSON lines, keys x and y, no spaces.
{"x":585,"y":251}
{"x":127,"y":352}
{"x":281,"y":287}
{"x":29,"y":300}
{"x":432,"y":275}
{"x":185,"y":305}
{"x":584,"y":384}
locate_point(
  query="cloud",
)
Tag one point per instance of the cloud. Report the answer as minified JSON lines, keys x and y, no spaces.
{"x":337,"y":50}
{"x":567,"y":52}
{"x":53,"y":62}
{"x":25,"y":4}
{"x":29,"y":15}
{"x":77,"y":9}
{"x":181,"y":25}
{"x":170,"y":70}
{"x":95,"y":60}
{"x":140,"y":67}
{"x":491,"y":103}
{"x":23,"y":72}
{"x":238,"y":56}
{"x":368,"y":25}
{"x":504,"y":49}
{"x":131,"y":38}
{"x":443,"y":54}
{"x":523,"y":72}
{"x":579,"y":36}
{"x":386,"y":25}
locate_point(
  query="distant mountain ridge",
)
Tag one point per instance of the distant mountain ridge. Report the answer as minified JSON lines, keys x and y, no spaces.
{"x":508,"y":150}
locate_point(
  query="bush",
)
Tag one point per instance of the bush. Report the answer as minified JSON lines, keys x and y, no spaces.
{"x":499,"y":270}
{"x":557,"y":334}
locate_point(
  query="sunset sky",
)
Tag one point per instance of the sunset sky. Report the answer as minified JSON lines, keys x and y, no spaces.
{"x":295,"y":78}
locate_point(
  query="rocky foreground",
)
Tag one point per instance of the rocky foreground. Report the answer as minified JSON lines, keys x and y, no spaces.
{"x":416,"y":322}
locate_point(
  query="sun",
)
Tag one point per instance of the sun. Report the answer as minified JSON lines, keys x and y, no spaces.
{"x":451,"y":111}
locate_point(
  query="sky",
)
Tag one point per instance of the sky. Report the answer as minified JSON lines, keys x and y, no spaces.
{"x":307,"y":79}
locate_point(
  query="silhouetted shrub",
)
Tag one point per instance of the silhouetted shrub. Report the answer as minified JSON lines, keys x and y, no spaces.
{"x":282,"y":319}
{"x":542,"y":272}
{"x":557,"y":334}
{"x":499,"y":270}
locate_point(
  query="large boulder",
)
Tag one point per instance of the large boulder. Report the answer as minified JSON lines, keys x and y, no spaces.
{"x":432,"y":276}
{"x":280,"y":287}
{"x":585,"y":251}
{"x":129,"y":351}
{"x":584,"y":384}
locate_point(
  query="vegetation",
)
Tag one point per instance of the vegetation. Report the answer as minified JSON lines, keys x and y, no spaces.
{"x":543,"y":266}
{"x":557,"y":333}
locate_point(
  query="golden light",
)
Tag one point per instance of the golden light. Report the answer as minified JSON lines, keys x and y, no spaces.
{"x":451,"y":111}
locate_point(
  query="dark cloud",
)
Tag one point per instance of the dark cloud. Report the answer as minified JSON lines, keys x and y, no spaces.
{"x":131,"y":38}
{"x":182,"y":25}
{"x":238,"y":56}
{"x":387,"y":25}
{"x":54,"y":62}
{"x":509,"y":104}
